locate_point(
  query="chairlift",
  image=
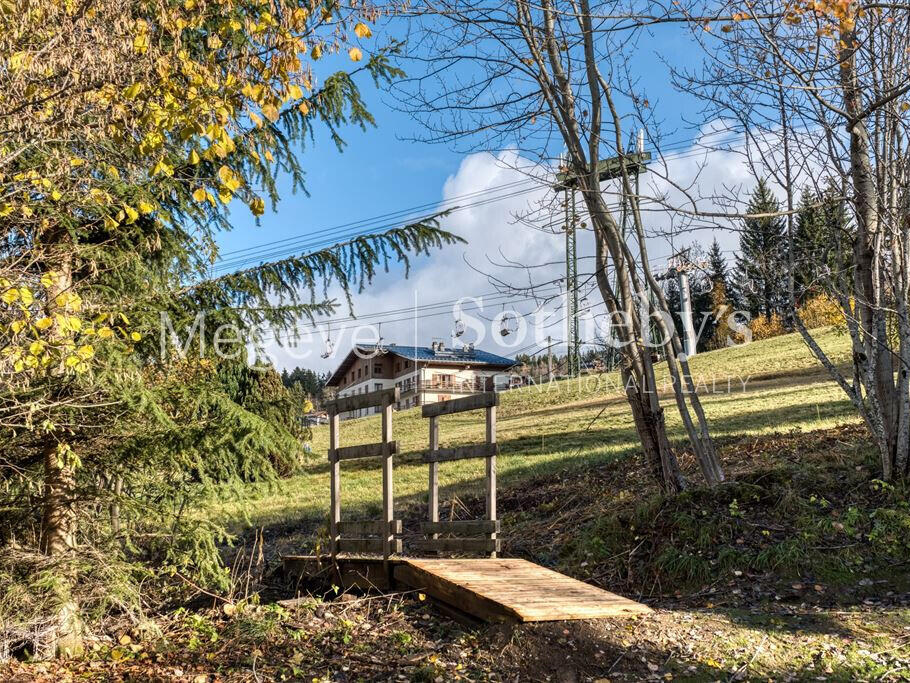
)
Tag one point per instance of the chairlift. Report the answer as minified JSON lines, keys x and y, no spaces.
{"x":508,"y":325}
{"x":329,"y":347}
{"x":459,"y":328}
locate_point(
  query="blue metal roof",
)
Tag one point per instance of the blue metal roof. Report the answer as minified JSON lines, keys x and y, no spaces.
{"x":425,"y":354}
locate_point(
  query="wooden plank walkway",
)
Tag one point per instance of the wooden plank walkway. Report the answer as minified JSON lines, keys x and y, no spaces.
{"x":511,"y":590}
{"x":492,"y":590}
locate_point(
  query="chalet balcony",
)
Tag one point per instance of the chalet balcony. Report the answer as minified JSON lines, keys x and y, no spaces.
{"x":452,"y":386}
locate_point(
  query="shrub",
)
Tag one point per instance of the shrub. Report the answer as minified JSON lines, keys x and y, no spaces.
{"x":821,"y":311}
{"x":762,"y":328}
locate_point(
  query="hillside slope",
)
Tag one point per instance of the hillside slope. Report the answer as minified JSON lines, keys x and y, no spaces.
{"x":769,"y":386}
{"x":793,"y":570}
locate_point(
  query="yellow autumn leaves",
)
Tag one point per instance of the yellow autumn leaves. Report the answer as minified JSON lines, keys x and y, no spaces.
{"x":190,"y":76}
{"x":228,"y":182}
{"x":49,"y":333}
{"x":361,"y":30}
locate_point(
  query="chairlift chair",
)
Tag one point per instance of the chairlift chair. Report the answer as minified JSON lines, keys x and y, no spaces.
{"x":508,"y":325}
{"x":379,"y":347}
{"x":329,"y":348}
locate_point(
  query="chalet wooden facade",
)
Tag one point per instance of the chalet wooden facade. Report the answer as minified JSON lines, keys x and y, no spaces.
{"x":423,"y":374}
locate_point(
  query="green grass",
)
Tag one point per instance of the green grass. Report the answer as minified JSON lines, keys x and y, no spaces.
{"x":571,"y":423}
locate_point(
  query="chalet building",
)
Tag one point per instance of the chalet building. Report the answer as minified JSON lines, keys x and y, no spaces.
{"x":423,"y":374}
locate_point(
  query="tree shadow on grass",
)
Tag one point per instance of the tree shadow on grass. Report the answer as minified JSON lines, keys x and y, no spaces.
{"x":578,"y":451}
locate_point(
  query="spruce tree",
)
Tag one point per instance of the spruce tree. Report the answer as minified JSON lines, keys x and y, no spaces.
{"x":718,"y":271}
{"x":718,"y":299}
{"x":822,"y":227}
{"x":761,"y":265}
{"x":113,"y":202}
{"x":305,"y":381}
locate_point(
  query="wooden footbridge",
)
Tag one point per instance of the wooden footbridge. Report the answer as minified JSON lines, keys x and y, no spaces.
{"x":368,"y":554}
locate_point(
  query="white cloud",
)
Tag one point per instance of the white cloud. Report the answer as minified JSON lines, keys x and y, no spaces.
{"x":446,"y":275}
{"x":495,"y":238}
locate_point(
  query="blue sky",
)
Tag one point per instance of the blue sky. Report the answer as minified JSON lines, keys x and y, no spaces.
{"x":381,"y":171}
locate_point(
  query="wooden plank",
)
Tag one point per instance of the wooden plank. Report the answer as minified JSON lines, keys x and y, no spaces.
{"x":483,"y":607}
{"x":334,"y":484}
{"x":389,"y":449}
{"x":365,"y":577}
{"x":433,"y":498}
{"x":368,"y":545}
{"x":526,"y":590}
{"x":473,"y":527}
{"x":491,"y":468}
{"x":370,"y":528}
{"x":480,"y":450}
{"x":460,"y":405}
{"x":458,"y":545}
{"x":358,"y":401}
{"x":367,"y":450}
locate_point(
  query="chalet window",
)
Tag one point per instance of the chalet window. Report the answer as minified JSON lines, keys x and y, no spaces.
{"x":397,"y":366}
{"x":377,"y":369}
{"x":377,"y":386}
{"x":352,"y":375}
{"x":359,"y":370}
{"x":407,"y":363}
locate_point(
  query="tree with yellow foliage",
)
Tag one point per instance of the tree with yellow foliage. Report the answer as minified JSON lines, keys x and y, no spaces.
{"x":129,"y":129}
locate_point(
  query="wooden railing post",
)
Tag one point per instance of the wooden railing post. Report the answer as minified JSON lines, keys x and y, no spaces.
{"x":434,"y":474}
{"x":491,"y":470}
{"x":334,"y":483}
{"x":387,"y":527}
{"x":388,"y":512}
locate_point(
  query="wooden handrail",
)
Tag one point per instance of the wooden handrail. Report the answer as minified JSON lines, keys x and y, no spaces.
{"x":460,"y":405}
{"x":357,"y":401}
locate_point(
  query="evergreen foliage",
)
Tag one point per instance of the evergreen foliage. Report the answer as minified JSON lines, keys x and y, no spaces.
{"x":718,"y":299}
{"x":305,"y":381}
{"x":718,"y":271}
{"x":761,"y":266}
{"x":131,"y":406}
{"x":700,"y":294}
{"x":822,"y":228}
